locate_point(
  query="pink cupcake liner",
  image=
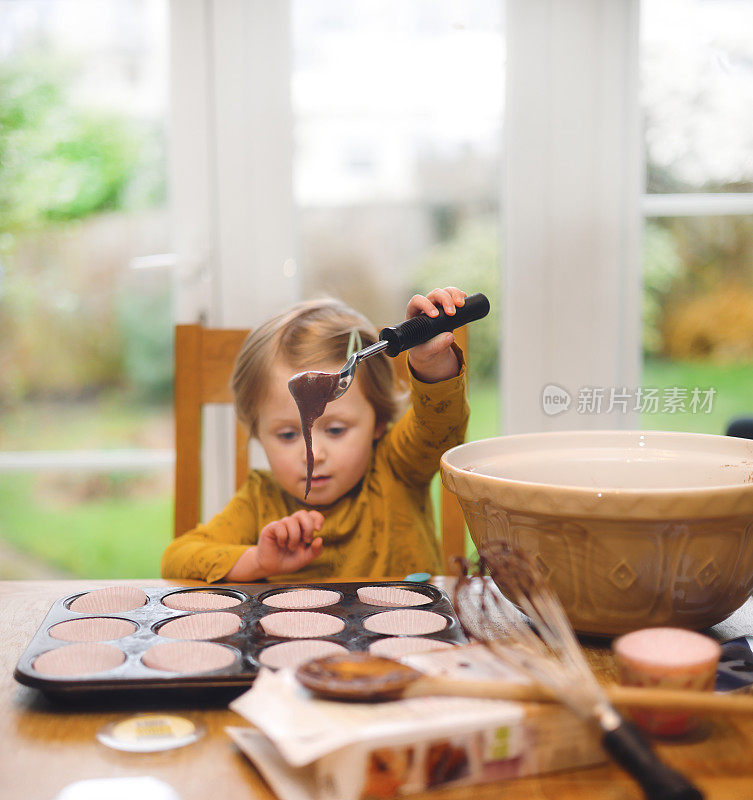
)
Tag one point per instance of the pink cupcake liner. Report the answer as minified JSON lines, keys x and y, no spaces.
{"x":408,"y":621}
{"x":110,"y":600}
{"x":395,"y":647}
{"x":668,"y":650}
{"x":291,"y":654}
{"x":302,"y":598}
{"x":391,"y":596}
{"x":208,"y":625}
{"x":92,"y":629}
{"x":200,"y":601}
{"x":188,"y":657}
{"x":79,"y":660}
{"x":301,"y":624}
{"x":669,"y":658}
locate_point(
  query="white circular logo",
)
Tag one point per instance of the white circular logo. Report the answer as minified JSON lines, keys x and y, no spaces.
{"x":555,"y":399}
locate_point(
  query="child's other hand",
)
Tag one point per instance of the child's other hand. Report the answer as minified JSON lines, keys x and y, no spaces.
{"x":435,"y":360}
{"x":288,"y":544}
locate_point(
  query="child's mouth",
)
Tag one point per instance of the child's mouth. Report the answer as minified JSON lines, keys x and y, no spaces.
{"x":319,"y":480}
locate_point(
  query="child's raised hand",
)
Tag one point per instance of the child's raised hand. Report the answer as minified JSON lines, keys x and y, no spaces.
{"x":288,"y":544}
{"x":435,"y":360}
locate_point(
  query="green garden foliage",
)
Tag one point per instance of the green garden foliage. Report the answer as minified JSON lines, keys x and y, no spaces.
{"x":61,"y":161}
{"x":145,"y":323}
{"x":61,"y":164}
{"x":698,"y":280}
{"x":661,"y":269}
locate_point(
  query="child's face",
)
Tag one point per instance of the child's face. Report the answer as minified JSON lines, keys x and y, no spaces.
{"x":342,"y":439}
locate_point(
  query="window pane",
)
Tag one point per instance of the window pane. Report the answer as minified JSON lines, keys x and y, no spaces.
{"x":698,"y":321}
{"x":85,"y":340}
{"x":398,"y":115}
{"x":697,"y":93}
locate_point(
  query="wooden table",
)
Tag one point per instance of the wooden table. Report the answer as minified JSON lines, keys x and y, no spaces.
{"x":44,"y":746}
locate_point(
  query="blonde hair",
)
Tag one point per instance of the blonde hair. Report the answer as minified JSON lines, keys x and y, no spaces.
{"x":307,"y":334}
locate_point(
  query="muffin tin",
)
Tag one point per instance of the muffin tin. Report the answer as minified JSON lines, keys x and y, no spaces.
{"x":143,"y":635}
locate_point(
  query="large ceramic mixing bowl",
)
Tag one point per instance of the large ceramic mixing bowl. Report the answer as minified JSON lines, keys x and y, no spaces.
{"x":631,"y":529}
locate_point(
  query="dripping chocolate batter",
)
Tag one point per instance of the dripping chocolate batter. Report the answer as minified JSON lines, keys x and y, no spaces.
{"x":311,"y":392}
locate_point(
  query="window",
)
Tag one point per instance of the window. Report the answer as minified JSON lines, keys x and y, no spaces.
{"x":697,"y":95}
{"x":85,"y":346}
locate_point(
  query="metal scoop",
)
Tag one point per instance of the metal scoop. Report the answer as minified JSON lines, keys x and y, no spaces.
{"x":417,"y":330}
{"x":313,"y":390}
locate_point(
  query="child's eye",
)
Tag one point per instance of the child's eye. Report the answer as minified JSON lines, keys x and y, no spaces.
{"x":336,"y":430}
{"x":287,"y":436}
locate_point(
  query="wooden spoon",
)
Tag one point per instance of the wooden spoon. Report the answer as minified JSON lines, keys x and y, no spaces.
{"x":362,"y":676}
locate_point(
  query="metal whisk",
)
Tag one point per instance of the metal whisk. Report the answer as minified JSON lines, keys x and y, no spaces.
{"x":547,"y":651}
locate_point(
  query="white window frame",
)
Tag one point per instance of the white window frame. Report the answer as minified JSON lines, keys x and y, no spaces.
{"x":698,"y":204}
{"x":574,"y":205}
{"x":230,"y":181}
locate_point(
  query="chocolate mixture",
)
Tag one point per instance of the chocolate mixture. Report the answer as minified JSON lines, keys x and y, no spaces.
{"x":357,"y":676}
{"x":311,"y":392}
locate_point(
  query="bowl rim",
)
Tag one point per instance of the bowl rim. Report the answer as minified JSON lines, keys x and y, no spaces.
{"x":731,"y":500}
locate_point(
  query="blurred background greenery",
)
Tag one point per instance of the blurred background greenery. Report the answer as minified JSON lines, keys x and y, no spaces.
{"x":85,"y":343}
{"x":62,"y":165}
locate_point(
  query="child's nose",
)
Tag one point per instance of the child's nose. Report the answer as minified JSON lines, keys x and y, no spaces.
{"x":319,"y":445}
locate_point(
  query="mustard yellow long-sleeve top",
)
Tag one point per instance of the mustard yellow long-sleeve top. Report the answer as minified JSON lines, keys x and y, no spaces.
{"x":383,"y":527}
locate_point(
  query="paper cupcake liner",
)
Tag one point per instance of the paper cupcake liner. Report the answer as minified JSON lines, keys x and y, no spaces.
{"x":92,"y":629}
{"x":667,"y":658}
{"x":200,"y":601}
{"x":188,"y":657}
{"x":405,"y":621}
{"x":668,"y":651}
{"x":79,"y":660}
{"x":209,"y":625}
{"x":391,"y":596}
{"x":394,"y":647}
{"x":109,"y":600}
{"x":302,"y":598}
{"x":301,"y":624}
{"x":291,"y":654}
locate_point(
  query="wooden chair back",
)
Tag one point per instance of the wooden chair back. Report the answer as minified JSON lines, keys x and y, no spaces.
{"x":204,"y":359}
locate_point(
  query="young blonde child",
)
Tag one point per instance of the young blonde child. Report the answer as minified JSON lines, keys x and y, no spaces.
{"x":368,"y":513}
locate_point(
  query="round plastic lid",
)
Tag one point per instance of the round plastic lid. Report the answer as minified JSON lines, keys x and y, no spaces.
{"x":150,"y":733}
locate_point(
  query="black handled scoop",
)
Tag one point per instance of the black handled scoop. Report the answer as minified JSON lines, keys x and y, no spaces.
{"x":417,"y":330}
{"x":313,"y":390}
